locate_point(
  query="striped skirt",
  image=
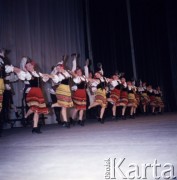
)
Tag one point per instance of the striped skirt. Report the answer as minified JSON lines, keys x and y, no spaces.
{"x":2,"y":87}
{"x":160,"y":102}
{"x":115,"y":95}
{"x":79,"y":99}
{"x":145,"y":99}
{"x":63,"y":94}
{"x":35,"y":101}
{"x":137,"y":96}
{"x":123,"y":98}
{"x":100,"y":97}
{"x":153,"y":101}
{"x":132,"y":100}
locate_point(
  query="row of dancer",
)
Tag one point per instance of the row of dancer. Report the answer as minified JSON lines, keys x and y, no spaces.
{"x":72,"y":86}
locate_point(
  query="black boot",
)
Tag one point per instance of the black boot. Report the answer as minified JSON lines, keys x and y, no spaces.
{"x":72,"y":121}
{"x":113,"y":117}
{"x":68,"y":124}
{"x":123,"y":117}
{"x":118,"y":118}
{"x":82,"y":123}
{"x":17,"y":115}
{"x":101,"y":120}
{"x":79,"y":122}
{"x":36,"y":130}
{"x":132,"y":117}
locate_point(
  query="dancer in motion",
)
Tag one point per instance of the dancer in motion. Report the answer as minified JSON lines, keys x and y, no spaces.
{"x":34,"y":97}
{"x":63,"y":92}
{"x":153,"y":101}
{"x":115,"y":93}
{"x":144,"y":98}
{"x":123,"y":97}
{"x":79,"y":95}
{"x":132,"y":101}
{"x":100,"y":94}
{"x":160,"y":103}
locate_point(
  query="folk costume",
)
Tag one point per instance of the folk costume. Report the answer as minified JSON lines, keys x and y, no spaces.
{"x":123,"y":97}
{"x":115,"y":88}
{"x":132,"y":101}
{"x":152,"y":96}
{"x":100,"y":94}
{"x":63,"y":91}
{"x":160,"y":103}
{"x":34,"y":97}
{"x":144,"y":98}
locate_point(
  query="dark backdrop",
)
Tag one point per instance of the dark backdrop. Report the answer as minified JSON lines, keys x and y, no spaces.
{"x":154,"y":27}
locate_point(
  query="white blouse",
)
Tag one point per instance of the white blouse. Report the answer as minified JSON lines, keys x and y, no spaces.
{"x":79,"y":79}
{"x":61,"y":76}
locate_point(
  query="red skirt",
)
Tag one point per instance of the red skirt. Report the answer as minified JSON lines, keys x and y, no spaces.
{"x":145,"y":99}
{"x":137,"y":96}
{"x":123,"y":98}
{"x":35,"y":101}
{"x":160,"y":102}
{"x":79,"y":99}
{"x":153,"y":101}
{"x":115,"y":95}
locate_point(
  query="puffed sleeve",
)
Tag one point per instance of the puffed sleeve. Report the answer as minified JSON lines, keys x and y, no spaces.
{"x":95,"y":83}
{"x":86,"y":71}
{"x":54,"y":71}
{"x":77,"y":80}
{"x":44,"y":77}
{"x":114,"y":83}
{"x":101,"y":71}
{"x":9,"y":68}
{"x":74,"y":65}
{"x":22,"y":75}
{"x":55,"y":79}
{"x":28,"y":76}
{"x":1,"y":61}
{"x":12,"y":77}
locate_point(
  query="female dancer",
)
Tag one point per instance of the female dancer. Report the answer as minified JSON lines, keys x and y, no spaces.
{"x":123,"y":97}
{"x":115,"y":93}
{"x":159,"y":100}
{"x":63,"y":92}
{"x":144,"y":96}
{"x":153,"y":101}
{"x":132,"y":102}
{"x":34,"y":97}
{"x":100,"y":94}
{"x":79,"y":95}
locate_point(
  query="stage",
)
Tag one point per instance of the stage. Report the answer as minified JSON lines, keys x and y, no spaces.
{"x":90,"y":152}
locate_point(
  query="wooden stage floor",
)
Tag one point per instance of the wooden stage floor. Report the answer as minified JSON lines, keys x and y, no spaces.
{"x":90,"y":152}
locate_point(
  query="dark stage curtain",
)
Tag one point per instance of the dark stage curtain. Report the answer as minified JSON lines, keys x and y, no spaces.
{"x":151,"y":46}
{"x":43,"y":30}
{"x":171,"y":20}
{"x":154,"y":45}
{"x":110,"y":36}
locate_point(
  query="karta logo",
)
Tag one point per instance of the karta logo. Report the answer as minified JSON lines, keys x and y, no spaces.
{"x":118,"y":169}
